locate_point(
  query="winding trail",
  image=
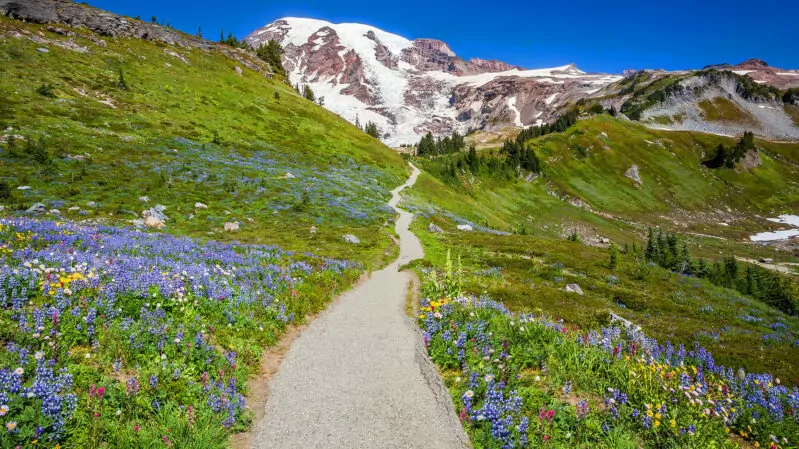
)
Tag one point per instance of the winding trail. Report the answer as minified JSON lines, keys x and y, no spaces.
{"x":359,"y":376}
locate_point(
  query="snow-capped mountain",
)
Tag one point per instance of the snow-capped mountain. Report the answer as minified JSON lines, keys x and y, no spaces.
{"x":411,"y":87}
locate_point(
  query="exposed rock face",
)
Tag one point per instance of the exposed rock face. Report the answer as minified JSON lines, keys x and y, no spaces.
{"x":409,"y":88}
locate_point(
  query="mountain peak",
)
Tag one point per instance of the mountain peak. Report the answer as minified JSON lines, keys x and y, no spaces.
{"x":411,"y":87}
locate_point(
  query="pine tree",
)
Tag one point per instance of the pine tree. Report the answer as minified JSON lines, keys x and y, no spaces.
{"x":200,"y":32}
{"x":357,"y":122}
{"x":307,"y":92}
{"x":372,"y":130}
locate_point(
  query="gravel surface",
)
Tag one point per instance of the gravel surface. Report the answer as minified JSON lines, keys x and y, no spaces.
{"x":359,"y":376}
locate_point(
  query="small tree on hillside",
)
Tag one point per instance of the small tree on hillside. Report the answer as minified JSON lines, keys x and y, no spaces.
{"x":308,"y":93}
{"x":372,"y":130}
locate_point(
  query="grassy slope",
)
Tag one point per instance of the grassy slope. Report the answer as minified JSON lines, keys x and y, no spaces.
{"x":133,"y":148}
{"x":676,"y":188}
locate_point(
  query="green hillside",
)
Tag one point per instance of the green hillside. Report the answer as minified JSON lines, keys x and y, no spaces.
{"x":133,"y":118}
{"x":583,"y":194}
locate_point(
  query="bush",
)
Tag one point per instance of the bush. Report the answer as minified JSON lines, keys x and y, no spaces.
{"x":5,"y":191}
{"x":38,"y":150}
{"x":46,"y":90}
{"x":121,"y":83}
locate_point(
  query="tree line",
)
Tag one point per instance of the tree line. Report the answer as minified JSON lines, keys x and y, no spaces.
{"x":668,"y":251}
{"x":430,"y":146}
{"x":562,"y":123}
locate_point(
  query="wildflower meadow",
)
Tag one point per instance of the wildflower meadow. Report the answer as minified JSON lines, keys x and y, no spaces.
{"x":524,"y":380}
{"x":125,"y":338}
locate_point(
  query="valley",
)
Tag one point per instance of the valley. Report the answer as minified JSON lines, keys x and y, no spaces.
{"x":546,"y":258}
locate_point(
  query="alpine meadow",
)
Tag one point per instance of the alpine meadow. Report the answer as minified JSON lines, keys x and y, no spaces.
{"x":327,"y":235}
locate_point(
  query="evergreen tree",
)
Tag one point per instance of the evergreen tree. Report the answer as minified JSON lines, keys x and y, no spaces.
{"x":200,"y":32}
{"x":372,"y":130}
{"x":272,"y":54}
{"x":308,"y":93}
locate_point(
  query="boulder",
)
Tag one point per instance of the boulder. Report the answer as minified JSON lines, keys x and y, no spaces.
{"x":55,"y":212}
{"x":465,"y":227}
{"x":37,"y":209}
{"x":574,"y":288}
{"x":633,"y":174}
{"x":432,"y":227}
{"x":152,"y":221}
{"x":138,"y":223}
{"x":232,"y":226}
{"x":199,"y":205}
{"x":157,"y":212}
{"x":349,"y":238}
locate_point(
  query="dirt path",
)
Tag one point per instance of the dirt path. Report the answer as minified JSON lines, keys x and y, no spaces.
{"x":359,"y":376}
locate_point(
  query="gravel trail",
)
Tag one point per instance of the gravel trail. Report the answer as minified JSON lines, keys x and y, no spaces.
{"x":359,"y":376}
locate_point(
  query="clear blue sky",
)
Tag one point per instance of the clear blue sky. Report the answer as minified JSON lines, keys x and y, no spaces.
{"x":599,"y":36}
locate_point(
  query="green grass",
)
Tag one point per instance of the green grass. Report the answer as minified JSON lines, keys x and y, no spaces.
{"x":535,"y":270}
{"x":723,"y":110}
{"x":228,"y":125}
{"x":678,"y":193}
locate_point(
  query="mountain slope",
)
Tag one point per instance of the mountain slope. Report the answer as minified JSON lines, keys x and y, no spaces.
{"x":122,"y":119}
{"x":411,"y":87}
{"x":723,"y":99}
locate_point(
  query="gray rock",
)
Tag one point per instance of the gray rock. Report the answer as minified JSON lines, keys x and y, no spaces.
{"x":32,"y":10}
{"x":55,"y":212}
{"x":432,"y":227}
{"x":239,"y":71}
{"x":157,"y":212}
{"x":139,"y":223}
{"x":43,"y":50}
{"x":465,"y":227}
{"x":633,"y":174}
{"x":24,"y":188}
{"x":766,"y":260}
{"x":37,"y":209}
{"x":144,"y":199}
{"x":574,"y":288}
{"x":91,"y":204}
{"x":349,"y":238}
{"x":199,"y":205}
